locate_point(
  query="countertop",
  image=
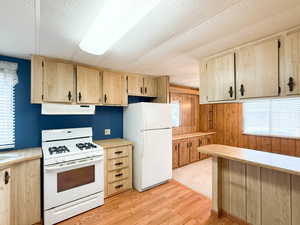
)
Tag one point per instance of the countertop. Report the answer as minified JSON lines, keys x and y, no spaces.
{"x":191,"y":135}
{"x":8,"y":158}
{"x":111,"y":143}
{"x":282,"y":163}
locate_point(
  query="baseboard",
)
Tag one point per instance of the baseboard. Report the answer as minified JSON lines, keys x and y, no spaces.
{"x":234,"y":218}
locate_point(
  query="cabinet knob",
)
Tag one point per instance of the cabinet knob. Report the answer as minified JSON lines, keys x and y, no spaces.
{"x":145,"y":90}
{"x":291,"y":84}
{"x":119,"y":186}
{"x":242,"y":90}
{"x":141,"y":90}
{"x":230,"y":91}
{"x":105,"y":98}
{"x":79,"y":96}
{"x":70,"y":96}
{"x":6,"y":177}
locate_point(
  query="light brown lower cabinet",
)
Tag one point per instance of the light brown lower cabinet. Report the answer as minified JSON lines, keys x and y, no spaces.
{"x":5,"y":190}
{"x":20,"y":194}
{"x":117,"y":166}
{"x":185,"y":150}
{"x":175,"y":155}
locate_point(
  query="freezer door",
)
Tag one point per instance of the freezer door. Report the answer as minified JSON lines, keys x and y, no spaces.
{"x":156,"y":157}
{"x":156,"y":116}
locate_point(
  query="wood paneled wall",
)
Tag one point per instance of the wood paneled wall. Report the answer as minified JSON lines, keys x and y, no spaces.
{"x":188,"y":99}
{"x":227,"y":120}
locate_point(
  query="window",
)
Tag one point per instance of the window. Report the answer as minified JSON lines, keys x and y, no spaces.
{"x":8,"y":80}
{"x":175,"y":114}
{"x":272,"y":117}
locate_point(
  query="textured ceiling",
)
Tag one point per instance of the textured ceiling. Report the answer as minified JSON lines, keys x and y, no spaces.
{"x":169,"y":40}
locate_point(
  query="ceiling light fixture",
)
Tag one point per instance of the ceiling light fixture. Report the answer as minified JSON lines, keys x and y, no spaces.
{"x":114,"y":20}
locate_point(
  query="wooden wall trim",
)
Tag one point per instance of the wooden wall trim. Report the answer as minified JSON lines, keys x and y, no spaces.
{"x":183,"y":90}
{"x":189,"y":113}
{"x":228,"y":125}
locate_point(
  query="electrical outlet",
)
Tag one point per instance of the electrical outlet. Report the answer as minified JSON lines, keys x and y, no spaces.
{"x":106,"y":131}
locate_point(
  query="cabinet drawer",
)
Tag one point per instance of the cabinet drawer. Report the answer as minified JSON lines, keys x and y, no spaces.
{"x":117,"y":175}
{"x":118,"y":186}
{"x":113,"y":164}
{"x":117,"y":152}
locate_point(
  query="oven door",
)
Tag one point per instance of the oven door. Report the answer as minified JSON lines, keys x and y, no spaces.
{"x":69,"y":181}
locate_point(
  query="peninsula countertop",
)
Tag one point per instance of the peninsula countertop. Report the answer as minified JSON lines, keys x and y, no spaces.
{"x":282,"y":163}
{"x":191,"y":135}
{"x":8,"y":158}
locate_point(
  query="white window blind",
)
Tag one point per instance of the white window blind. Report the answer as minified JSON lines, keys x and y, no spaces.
{"x":8,"y":80}
{"x":272,"y":117}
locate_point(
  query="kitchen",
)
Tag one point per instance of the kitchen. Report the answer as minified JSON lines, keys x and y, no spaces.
{"x":196,"y":122}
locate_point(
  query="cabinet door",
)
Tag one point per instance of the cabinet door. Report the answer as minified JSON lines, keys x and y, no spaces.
{"x":58,"y":84}
{"x":220,"y":78}
{"x":201,"y":141}
{"x":135,"y":84}
{"x":184,"y":152}
{"x":5,"y":186}
{"x":194,"y":144}
{"x":114,"y":88}
{"x":88,"y":86}
{"x":257,"y":70}
{"x":175,"y":155}
{"x":26,"y":192}
{"x":292,"y":75}
{"x":150,"y":86}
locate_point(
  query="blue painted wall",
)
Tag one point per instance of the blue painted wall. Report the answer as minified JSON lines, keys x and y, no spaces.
{"x":29,"y":122}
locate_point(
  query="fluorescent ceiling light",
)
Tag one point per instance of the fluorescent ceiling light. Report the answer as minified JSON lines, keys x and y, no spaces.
{"x":114,"y":20}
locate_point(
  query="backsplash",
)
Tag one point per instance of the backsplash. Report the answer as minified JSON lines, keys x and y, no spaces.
{"x":29,"y":122}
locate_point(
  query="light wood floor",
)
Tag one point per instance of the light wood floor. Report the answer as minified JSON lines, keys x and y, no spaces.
{"x":168,"y":204}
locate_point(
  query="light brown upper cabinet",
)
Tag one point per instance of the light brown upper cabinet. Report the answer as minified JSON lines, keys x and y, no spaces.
{"x":292,"y":75}
{"x":89,"y":86}
{"x":58,"y":82}
{"x":220,"y":77}
{"x":140,"y":85}
{"x":135,"y":84}
{"x":114,"y":88}
{"x":257,"y":70}
{"x":61,"y":81}
{"x":150,"y":86}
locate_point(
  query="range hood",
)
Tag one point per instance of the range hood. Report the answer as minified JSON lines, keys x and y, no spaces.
{"x":64,"y":109}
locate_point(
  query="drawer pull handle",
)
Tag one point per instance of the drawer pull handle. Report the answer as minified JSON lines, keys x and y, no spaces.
{"x":119,"y":186}
{"x":119,"y":175}
{"x":118,"y":164}
{"x":118,"y":152}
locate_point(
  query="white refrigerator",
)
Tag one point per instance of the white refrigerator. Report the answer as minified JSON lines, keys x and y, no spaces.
{"x":149,"y":127}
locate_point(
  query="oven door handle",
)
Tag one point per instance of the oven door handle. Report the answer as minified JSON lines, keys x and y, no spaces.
{"x":75,"y":163}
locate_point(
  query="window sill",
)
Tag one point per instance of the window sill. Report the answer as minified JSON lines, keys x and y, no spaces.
{"x":6,"y":146}
{"x":270,"y":135}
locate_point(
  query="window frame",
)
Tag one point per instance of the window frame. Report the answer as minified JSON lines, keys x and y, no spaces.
{"x":8,"y":75}
{"x":270,"y":127}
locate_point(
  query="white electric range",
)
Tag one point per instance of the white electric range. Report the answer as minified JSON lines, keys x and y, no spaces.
{"x":73,"y":173}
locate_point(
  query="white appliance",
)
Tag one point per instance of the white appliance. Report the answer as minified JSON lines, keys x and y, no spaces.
{"x":149,"y":126}
{"x":67,"y":109}
{"x":73,"y":173}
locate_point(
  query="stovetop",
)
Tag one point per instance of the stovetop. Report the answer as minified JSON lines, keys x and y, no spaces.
{"x":60,"y":146}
